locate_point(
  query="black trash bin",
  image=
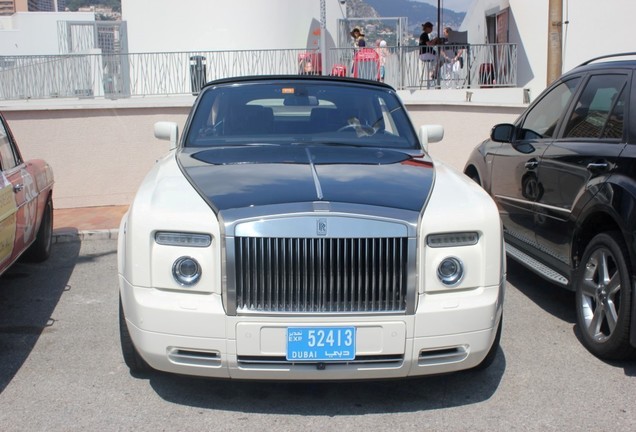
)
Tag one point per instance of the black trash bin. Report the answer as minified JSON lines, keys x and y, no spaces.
{"x":198,"y":73}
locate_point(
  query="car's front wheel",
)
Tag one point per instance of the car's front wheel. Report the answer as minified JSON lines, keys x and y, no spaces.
{"x":604,"y":297}
{"x":40,"y":249}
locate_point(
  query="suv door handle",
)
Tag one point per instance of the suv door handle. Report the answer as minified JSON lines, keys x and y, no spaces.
{"x":598,"y":166}
{"x":532,"y":164}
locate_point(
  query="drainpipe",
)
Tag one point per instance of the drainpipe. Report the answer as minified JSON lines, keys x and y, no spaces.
{"x":555,"y":47}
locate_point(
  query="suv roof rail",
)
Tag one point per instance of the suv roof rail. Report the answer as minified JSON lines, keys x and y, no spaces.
{"x":607,"y":56}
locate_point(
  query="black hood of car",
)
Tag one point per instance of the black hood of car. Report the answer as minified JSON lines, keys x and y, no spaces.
{"x":250,"y":176}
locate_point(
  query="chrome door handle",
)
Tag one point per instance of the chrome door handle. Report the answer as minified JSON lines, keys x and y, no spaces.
{"x":17,"y":188}
{"x":598,"y":166}
{"x":532,"y":164}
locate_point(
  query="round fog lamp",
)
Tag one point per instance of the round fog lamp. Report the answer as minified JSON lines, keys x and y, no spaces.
{"x":186,"y":271}
{"x":450,"y":271}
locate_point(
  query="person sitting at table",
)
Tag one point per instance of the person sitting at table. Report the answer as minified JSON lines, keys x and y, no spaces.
{"x":451,"y":58}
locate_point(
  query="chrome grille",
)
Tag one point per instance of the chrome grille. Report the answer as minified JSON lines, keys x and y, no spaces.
{"x":321,"y":275}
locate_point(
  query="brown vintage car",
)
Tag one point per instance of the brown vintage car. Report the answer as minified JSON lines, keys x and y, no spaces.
{"x":26,"y":203}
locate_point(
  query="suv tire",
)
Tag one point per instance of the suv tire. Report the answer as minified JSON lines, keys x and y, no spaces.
{"x":604,"y":296}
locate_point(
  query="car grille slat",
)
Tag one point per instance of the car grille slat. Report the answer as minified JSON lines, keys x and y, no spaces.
{"x":320,"y":275}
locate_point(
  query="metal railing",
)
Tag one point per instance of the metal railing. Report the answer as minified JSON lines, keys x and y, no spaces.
{"x":175,"y":73}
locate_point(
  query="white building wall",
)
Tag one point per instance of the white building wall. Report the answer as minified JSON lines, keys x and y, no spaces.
{"x":529,"y":30}
{"x":475,"y":21}
{"x":595,"y":28}
{"x":205,"y":25}
{"x":104,"y":130}
{"x":527,"y":27}
{"x":31,"y":33}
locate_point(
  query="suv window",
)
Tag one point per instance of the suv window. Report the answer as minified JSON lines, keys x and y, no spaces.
{"x":543,"y":118}
{"x":599,"y":111}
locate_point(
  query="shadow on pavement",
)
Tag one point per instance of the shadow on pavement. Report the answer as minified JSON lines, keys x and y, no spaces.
{"x":333,"y":398}
{"x":555,"y":300}
{"x":29,"y":294}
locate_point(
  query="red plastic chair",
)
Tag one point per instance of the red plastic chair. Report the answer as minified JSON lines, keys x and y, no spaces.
{"x":339,"y":70}
{"x":366,"y":64}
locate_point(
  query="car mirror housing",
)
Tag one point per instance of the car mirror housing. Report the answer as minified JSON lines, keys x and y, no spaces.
{"x":502,"y":133}
{"x":430,"y":134}
{"x":168,"y":131}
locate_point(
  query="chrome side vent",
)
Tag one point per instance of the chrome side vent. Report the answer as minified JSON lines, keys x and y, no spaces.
{"x":321,"y":275}
{"x":439,"y":356}
{"x":194,"y":357}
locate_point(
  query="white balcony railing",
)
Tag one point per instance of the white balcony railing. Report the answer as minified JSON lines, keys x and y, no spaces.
{"x":128,"y":75}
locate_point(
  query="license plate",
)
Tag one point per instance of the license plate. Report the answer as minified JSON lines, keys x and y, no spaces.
{"x":321,"y":343}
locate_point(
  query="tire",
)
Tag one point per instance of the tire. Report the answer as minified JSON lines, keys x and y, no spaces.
{"x":40,"y":249}
{"x":604,"y":298}
{"x":492,"y":352}
{"x":136,"y":364}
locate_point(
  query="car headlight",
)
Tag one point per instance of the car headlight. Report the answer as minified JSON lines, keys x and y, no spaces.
{"x":186,"y":271}
{"x":450,"y":271}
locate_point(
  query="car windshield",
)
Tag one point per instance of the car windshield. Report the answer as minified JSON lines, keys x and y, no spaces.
{"x":300,"y":112}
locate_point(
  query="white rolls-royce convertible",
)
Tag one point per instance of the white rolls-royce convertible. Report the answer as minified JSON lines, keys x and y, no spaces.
{"x":298,"y":229}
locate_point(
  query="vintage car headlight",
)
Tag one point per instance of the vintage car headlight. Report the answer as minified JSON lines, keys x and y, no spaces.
{"x":452,"y":239}
{"x":450,"y":271}
{"x":186,"y":271}
{"x":183,"y":239}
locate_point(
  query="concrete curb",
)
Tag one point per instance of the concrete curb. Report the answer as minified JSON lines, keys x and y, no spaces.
{"x":70,"y":235}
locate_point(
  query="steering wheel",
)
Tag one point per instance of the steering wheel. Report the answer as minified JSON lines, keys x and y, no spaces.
{"x":347,"y":127}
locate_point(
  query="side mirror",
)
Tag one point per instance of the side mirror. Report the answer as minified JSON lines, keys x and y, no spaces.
{"x":167,"y":131}
{"x":430,"y":134}
{"x":503,"y":133}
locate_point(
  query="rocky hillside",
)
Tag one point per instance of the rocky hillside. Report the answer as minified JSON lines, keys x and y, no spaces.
{"x":416,"y":12}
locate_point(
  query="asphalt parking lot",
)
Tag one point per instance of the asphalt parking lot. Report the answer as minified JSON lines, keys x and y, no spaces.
{"x":61,"y":370}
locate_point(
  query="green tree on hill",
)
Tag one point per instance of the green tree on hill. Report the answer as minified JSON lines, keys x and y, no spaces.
{"x":74,"y":5}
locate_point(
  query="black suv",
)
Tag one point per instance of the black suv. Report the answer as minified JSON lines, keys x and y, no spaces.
{"x":564,"y":179}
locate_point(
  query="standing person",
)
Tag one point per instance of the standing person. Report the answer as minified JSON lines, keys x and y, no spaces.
{"x":383,"y":53}
{"x":426,"y":43}
{"x":451,"y":51}
{"x":358,"y":38}
{"x":358,"y":42}
{"x":427,"y":54}
{"x":451,"y":58}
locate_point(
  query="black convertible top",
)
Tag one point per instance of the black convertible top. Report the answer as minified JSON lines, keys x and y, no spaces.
{"x":315,"y":78}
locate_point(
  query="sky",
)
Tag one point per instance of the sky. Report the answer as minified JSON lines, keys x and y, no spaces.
{"x":454,"y":5}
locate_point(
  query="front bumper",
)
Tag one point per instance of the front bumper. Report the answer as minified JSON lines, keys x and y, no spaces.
{"x":191,"y":334}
